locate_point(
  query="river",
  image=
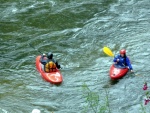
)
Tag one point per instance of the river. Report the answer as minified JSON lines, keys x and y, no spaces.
{"x":75,"y":31}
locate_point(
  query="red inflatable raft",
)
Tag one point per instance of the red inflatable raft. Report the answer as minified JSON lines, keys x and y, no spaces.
{"x":117,"y":72}
{"x":52,"y":77}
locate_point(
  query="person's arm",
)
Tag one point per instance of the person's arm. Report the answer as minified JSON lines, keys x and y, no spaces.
{"x":42,"y":59}
{"x":116,"y":59}
{"x":57,"y":65}
{"x":129,"y":64}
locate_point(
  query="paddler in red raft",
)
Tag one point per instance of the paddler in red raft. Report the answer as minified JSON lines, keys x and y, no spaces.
{"x":49,"y":63}
{"x":122,"y":60}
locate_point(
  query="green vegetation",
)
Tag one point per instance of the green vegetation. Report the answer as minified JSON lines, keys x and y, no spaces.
{"x":143,"y":109}
{"x":95,"y":102}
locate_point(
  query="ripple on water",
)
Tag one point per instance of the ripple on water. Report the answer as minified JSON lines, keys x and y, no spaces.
{"x":75,"y":31}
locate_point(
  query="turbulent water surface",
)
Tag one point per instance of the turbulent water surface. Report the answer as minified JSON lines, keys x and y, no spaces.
{"x":75,"y":31}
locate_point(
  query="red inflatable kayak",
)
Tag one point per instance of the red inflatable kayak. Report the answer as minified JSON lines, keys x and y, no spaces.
{"x":117,"y":72}
{"x":52,"y":77}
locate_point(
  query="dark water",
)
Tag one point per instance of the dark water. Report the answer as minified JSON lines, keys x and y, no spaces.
{"x":76,"y":32}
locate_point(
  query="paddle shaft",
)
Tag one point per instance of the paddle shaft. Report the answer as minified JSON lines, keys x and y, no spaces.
{"x":35,"y":49}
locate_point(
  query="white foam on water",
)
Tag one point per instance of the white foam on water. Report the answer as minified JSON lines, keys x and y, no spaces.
{"x":3,"y":110}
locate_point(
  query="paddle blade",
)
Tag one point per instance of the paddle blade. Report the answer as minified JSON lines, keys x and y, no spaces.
{"x":108,"y":51}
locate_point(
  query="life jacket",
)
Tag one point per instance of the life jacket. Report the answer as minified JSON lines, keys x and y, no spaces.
{"x":50,"y":67}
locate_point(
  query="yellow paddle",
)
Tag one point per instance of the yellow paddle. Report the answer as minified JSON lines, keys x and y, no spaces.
{"x":108,"y":51}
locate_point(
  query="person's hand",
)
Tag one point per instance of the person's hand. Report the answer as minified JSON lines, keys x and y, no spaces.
{"x":132,"y":71}
{"x":117,"y":60}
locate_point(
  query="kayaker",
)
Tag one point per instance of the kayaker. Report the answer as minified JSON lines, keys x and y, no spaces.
{"x":49,"y":63}
{"x":122,"y":60}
